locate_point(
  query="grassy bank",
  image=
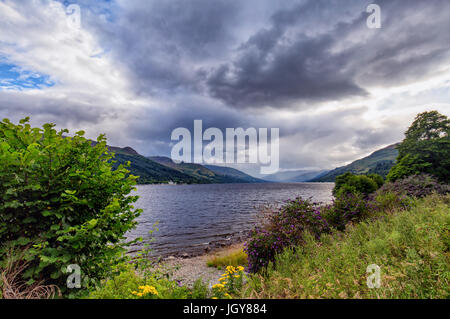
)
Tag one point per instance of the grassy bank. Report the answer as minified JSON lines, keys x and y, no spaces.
{"x":411,"y":247}
{"x":231,"y":256}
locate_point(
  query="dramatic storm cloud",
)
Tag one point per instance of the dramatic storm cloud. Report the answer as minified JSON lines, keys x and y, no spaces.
{"x":136,"y":70}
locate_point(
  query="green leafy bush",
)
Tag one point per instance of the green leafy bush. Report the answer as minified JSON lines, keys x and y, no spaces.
{"x":61,"y":202}
{"x":350,"y":183}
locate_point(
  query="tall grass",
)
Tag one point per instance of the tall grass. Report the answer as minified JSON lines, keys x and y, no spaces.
{"x":230,"y":257}
{"x":410,"y":246}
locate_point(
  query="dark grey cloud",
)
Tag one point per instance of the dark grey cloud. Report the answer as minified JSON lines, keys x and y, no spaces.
{"x":298,"y":54}
{"x":161,"y":41}
{"x":283,"y":66}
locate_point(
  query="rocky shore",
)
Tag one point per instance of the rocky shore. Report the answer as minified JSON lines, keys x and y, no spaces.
{"x":187,"y":269}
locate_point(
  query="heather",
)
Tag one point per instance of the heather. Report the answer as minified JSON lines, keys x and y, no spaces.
{"x":286,"y":226}
{"x":410,"y":246}
{"x":282,"y":228}
{"x":420,"y":185}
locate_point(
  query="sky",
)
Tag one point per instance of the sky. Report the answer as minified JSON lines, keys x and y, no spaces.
{"x":136,"y":70}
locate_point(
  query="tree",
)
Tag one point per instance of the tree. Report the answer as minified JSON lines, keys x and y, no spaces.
{"x":425,"y":148}
{"x":61,"y":202}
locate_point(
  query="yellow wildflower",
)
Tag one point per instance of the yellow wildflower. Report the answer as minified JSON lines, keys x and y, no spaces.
{"x":219,"y":286}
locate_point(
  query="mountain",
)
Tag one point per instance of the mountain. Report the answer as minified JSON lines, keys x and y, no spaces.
{"x":379,"y":162}
{"x":294,"y":176}
{"x":150,"y":172}
{"x":207,"y":173}
{"x":232,"y":172}
{"x":160,"y":169}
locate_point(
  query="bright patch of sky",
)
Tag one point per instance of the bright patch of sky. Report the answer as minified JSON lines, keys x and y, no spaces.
{"x":13,"y":77}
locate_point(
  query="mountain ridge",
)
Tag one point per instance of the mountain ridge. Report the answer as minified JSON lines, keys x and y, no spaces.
{"x":379,"y":162}
{"x":161,"y":169}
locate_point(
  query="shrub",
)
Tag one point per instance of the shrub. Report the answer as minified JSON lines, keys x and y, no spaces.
{"x":60,"y":197}
{"x":378,"y":179}
{"x":261,"y":248}
{"x":284,"y":227}
{"x":415,"y":186}
{"x":345,"y":208}
{"x":388,"y":202}
{"x":350,"y":183}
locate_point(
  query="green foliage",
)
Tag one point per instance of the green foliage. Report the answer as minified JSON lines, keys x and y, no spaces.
{"x":381,"y":168}
{"x":347,"y":207}
{"x":230,"y":283}
{"x":140,"y":278}
{"x":350,"y":183}
{"x":283,"y":227}
{"x":425,"y":149}
{"x":410,"y":246}
{"x":378,"y":179}
{"x":129,"y":283}
{"x":200,"y":290}
{"x":61,"y":202}
{"x":119,"y":286}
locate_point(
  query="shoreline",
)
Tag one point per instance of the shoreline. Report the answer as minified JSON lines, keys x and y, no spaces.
{"x":194,"y":251}
{"x":186,"y":270}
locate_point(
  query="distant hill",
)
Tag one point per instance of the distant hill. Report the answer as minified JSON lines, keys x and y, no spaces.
{"x":150,"y":172}
{"x":232,"y":172}
{"x":161,"y":169}
{"x":294,"y":176}
{"x":379,"y":162}
{"x":207,"y":173}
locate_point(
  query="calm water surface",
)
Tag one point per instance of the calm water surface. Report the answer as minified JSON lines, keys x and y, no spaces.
{"x":192,"y":217}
